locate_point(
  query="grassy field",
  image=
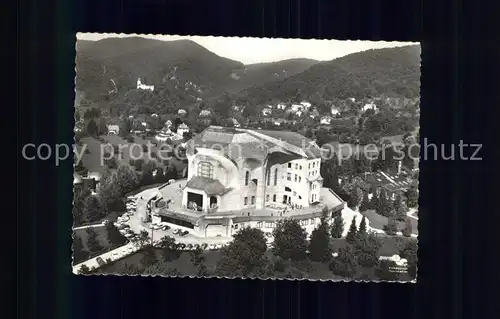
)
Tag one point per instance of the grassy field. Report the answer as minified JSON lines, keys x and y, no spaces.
{"x":101,"y":236}
{"x":92,"y":158}
{"x":378,"y":221}
{"x":314,"y":270}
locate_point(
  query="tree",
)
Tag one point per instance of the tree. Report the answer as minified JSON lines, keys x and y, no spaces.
{"x":79,"y":252}
{"x":290,"y":240}
{"x":131,"y":270}
{"x":407,"y":231}
{"x":391,"y":228}
{"x":362,"y":227}
{"x":337,"y":227}
{"x":80,"y":195}
{"x":92,"y":128}
{"x":170,"y":249}
{"x":92,"y":209}
{"x":365,"y":203}
{"x":160,"y":268}
{"x":319,"y":244}
{"x":113,"y":235}
{"x":400,"y":208}
{"x":84,"y":270}
{"x":93,"y":241}
{"x":125,"y":127}
{"x":147,"y":173}
{"x":345,"y":263}
{"x":412,"y":197}
{"x":102,"y":127}
{"x":196,"y":256}
{"x":351,"y":234}
{"x":367,"y":250}
{"x":148,"y":256}
{"x":126,"y":179}
{"x":410,"y":253}
{"x":143,"y":239}
{"x":384,"y":206}
{"x":355,"y":198}
{"x":244,"y":254}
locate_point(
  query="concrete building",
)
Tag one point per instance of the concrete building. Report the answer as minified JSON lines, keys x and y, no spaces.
{"x":241,"y":177}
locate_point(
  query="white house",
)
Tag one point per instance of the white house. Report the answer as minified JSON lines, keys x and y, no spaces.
{"x":182,"y":128}
{"x":113,"y":129}
{"x":205,"y":113}
{"x":281,"y":106}
{"x":305,"y":104}
{"x":369,"y":106}
{"x":181,"y":112}
{"x":298,"y":113}
{"x":296,"y":107}
{"x":335,"y":111}
{"x":142,"y":86}
{"x":266,"y":111}
{"x":154,"y":115}
{"x":326,"y":120}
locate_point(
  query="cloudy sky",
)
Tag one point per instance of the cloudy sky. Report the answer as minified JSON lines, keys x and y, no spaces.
{"x":255,"y":50}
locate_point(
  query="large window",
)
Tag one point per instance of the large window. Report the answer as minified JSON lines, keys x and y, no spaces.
{"x":205,"y":169}
{"x":245,"y":201}
{"x":268,"y":173}
{"x":275,"y":176}
{"x":253,"y":200}
{"x":247,"y":177}
{"x":274,"y":198}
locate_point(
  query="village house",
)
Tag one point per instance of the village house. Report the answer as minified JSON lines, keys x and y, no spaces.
{"x":113,"y":129}
{"x":205,"y":113}
{"x":326,"y":120}
{"x":182,"y":128}
{"x":266,"y":111}
{"x":369,"y":106}
{"x":181,"y":112}
{"x":142,"y":86}
{"x":335,"y":111}
{"x":305,"y":104}
{"x":281,"y":106}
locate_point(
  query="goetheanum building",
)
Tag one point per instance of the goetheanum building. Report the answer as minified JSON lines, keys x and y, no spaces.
{"x":242,"y":177}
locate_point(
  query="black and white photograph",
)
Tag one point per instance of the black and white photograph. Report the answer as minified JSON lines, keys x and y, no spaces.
{"x":235,"y":157}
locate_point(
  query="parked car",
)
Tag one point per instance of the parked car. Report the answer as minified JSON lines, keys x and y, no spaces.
{"x":177,"y":231}
{"x":165,"y":227}
{"x":184,"y":233}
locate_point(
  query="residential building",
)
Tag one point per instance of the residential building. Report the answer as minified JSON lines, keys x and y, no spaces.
{"x":113,"y":129}
{"x":142,"y":86}
{"x":266,"y":111}
{"x":182,"y":128}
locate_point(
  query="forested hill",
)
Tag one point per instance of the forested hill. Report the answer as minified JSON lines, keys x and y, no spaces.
{"x":388,"y":71}
{"x":183,"y":72}
{"x":183,"y":65}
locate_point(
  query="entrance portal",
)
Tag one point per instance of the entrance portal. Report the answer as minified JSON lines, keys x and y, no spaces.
{"x":195,"y":201}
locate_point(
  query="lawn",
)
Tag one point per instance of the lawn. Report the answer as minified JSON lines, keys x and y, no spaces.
{"x":101,"y":236}
{"x":379,"y":221}
{"x":92,"y":158}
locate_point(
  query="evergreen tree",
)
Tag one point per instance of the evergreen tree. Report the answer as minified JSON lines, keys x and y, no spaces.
{"x":290,"y":240}
{"x":374,"y":200}
{"x":345,"y":263}
{"x":337,"y":227}
{"x":92,"y":209}
{"x":319,"y":244}
{"x":92,"y":128}
{"x":351,"y":234}
{"x":355,"y":198}
{"x":391,"y":228}
{"x":148,"y":256}
{"x":362,"y":227}
{"x":412,"y":197}
{"x":367,"y":250}
{"x":365,"y":203}
{"x":126,"y":179}
{"x":93,"y":241}
{"x":384,"y":206}
{"x":408,"y":228}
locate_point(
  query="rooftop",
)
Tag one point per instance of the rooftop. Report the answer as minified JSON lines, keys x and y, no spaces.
{"x":254,"y":143}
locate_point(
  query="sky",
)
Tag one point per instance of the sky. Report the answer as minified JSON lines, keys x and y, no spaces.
{"x":258,"y":50}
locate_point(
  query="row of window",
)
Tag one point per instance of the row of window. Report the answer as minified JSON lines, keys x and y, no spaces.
{"x":313,"y":164}
{"x":313,"y":173}
{"x":266,"y":224}
{"x":297,"y":178}
{"x":275,"y":177}
{"x":297,"y":166}
{"x":245,"y":201}
{"x":205,"y":169}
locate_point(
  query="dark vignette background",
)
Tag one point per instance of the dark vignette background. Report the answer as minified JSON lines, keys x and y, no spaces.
{"x":456,"y":196}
